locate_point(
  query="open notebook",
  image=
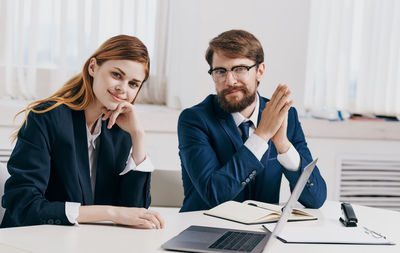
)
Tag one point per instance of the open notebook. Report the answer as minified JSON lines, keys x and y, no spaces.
{"x":255,"y":212}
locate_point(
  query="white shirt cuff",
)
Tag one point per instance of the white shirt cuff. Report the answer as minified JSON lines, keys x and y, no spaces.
{"x":145,"y":166}
{"x":257,"y":145}
{"x":72,"y":211}
{"x":290,"y":160}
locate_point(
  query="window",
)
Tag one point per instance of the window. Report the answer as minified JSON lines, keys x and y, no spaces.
{"x":354,"y":56}
{"x":47,"y":41}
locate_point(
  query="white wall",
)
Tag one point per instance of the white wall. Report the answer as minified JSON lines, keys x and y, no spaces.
{"x":281,"y":26}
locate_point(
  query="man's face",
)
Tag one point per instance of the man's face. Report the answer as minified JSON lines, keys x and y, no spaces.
{"x":237,"y":91}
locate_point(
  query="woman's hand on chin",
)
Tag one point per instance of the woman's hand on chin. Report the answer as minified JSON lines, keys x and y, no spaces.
{"x":125,"y":116}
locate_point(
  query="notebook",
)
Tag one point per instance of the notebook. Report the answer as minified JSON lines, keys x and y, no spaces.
{"x":213,"y":239}
{"x":255,"y":212}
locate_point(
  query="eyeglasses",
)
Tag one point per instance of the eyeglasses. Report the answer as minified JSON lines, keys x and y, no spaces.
{"x":238,"y":72}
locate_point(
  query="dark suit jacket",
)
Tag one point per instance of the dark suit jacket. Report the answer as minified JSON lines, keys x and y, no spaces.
{"x":217,"y":167}
{"x":49,"y":166}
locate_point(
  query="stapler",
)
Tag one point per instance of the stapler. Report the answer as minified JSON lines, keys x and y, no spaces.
{"x":349,"y":218}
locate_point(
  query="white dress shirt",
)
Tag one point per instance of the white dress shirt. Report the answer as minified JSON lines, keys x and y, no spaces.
{"x":72,"y":208}
{"x":258,"y":146}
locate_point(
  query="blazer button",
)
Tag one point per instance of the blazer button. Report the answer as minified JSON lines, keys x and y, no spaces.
{"x":243,"y":183}
{"x":311,"y":184}
{"x":50,"y":221}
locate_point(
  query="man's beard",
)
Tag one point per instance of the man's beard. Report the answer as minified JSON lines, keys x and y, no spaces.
{"x":236,"y":106}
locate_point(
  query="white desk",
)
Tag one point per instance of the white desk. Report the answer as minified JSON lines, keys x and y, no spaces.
{"x":111,"y":238}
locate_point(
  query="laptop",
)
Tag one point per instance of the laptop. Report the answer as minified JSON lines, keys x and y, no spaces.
{"x":212,"y":239}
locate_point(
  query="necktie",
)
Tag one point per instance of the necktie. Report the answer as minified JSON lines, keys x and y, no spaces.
{"x":244,"y":127}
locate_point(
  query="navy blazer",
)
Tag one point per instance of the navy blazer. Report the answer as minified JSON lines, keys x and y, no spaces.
{"x":50,"y":165}
{"x":217,"y":167}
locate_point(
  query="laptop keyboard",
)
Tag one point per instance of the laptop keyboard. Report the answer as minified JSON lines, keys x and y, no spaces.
{"x":237,"y":241}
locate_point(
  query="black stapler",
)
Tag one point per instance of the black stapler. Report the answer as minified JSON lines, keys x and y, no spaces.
{"x":349,"y":218}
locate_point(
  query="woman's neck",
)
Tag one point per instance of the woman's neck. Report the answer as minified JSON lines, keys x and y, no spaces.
{"x":92,"y":114}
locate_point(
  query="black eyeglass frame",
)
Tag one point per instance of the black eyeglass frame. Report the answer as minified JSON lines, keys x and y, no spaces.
{"x":233,"y":68}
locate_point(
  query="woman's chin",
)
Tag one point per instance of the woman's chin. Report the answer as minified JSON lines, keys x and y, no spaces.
{"x":111,"y":106}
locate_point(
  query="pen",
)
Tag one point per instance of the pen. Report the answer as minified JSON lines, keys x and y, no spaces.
{"x":253,"y":204}
{"x":373,"y":233}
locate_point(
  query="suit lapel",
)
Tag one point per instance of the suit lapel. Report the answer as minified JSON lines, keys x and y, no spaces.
{"x":106,"y":176}
{"x":262,"y":102}
{"x":82,"y":156}
{"x":228,"y":124}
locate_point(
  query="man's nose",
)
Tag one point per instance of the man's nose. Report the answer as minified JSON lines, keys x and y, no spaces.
{"x":230,"y":78}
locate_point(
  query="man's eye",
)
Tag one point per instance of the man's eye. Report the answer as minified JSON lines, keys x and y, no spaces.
{"x":116,"y":75}
{"x":220,"y":71}
{"x":240,"y":69}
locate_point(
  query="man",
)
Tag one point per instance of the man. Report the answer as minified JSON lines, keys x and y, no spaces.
{"x":236,"y":145}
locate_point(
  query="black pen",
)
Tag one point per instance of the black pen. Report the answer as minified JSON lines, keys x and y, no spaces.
{"x":253,"y":204}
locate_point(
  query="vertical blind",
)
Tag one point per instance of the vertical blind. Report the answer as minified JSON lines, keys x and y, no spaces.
{"x":353,"y":59}
{"x":45,"y":42}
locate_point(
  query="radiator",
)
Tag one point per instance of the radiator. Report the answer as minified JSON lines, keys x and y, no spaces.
{"x":370,"y":180}
{"x":5,"y":155}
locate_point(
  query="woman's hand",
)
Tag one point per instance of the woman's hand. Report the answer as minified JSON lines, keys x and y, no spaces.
{"x":125,"y":116}
{"x":130,"y":216}
{"x":137,"y":217}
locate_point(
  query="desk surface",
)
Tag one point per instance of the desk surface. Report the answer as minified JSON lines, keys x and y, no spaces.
{"x":111,"y":238}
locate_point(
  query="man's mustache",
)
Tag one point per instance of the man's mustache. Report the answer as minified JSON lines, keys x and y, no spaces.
{"x":232,"y":89}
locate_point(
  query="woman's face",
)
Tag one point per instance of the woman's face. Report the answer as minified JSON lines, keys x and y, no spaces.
{"x":116,"y":81}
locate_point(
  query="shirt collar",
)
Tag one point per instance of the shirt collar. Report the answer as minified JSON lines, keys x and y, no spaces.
{"x":239,"y":118}
{"x":91,"y":138}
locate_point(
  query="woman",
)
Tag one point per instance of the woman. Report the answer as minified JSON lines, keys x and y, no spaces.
{"x":80,"y":154}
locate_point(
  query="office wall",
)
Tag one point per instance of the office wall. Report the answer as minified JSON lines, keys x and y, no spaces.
{"x":281,"y":26}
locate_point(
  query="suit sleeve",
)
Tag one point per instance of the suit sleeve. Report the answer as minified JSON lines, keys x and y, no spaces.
{"x":215,"y":182}
{"x":135,"y":189}
{"x":314,"y":193}
{"x":30,"y":168}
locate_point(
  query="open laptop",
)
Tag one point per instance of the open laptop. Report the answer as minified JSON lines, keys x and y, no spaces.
{"x":212,"y":239}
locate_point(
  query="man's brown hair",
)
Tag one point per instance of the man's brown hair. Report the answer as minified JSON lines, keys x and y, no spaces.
{"x":235,"y":44}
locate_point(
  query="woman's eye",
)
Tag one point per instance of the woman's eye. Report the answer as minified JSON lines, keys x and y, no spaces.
{"x":116,"y":75}
{"x":133,"y":84}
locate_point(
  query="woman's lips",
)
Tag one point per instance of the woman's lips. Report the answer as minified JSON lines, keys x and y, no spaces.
{"x":115,"y":97}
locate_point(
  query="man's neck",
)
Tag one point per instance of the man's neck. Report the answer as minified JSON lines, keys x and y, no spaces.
{"x":248,"y":111}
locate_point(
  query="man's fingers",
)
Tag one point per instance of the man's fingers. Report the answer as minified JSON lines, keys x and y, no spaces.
{"x":275,"y":92}
{"x":287,"y":106}
{"x":283,"y":100}
{"x":280,"y":92}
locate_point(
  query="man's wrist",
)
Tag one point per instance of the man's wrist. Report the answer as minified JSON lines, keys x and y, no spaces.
{"x":264,"y":136}
{"x":282,"y":146}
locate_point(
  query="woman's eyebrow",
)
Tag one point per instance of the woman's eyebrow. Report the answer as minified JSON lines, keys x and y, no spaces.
{"x":123,"y":73}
